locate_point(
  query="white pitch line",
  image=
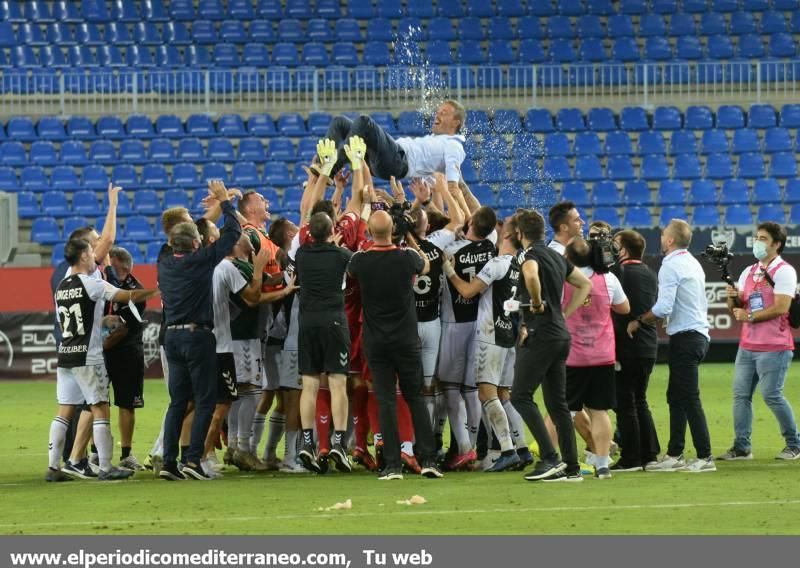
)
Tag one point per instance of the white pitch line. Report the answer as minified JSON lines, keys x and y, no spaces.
{"x":420,"y":513}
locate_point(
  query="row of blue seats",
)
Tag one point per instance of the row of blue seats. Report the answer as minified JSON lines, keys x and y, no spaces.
{"x":501,"y":121}
{"x":204,"y":32}
{"x":217,"y":10}
{"x":437,"y":52}
{"x":150,"y":255}
{"x":765,"y":191}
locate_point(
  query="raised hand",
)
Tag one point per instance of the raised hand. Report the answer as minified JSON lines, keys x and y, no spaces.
{"x":397,"y":190}
{"x":356,"y":149}
{"x":326,"y":150}
{"x":421,"y":190}
{"x":113,"y":194}
{"x":217,"y":190}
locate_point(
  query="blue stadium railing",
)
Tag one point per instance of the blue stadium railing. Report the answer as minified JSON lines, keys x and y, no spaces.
{"x":101,"y":90}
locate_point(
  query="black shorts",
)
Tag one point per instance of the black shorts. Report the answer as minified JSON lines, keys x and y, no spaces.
{"x":324,"y":346}
{"x":125,"y":367}
{"x":226,"y":378}
{"x":592,"y":387}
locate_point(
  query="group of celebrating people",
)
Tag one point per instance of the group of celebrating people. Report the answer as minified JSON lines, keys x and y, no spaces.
{"x":379,"y":321}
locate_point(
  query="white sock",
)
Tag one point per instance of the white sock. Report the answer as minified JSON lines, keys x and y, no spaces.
{"x":290,"y":453}
{"x":407,"y":448}
{"x":441,"y":413}
{"x":458,"y":418}
{"x":158,"y":445}
{"x":233,"y":424}
{"x":430,"y":406}
{"x":601,"y":461}
{"x":516,"y":425}
{"x":277,"y":426}
{"x":101,"y":434}
{"x":247,"y":413}
{"x":58,"y":433}
{"x":473,"y":406}
{"x":496,"y":416}
{"x":259,"y":423}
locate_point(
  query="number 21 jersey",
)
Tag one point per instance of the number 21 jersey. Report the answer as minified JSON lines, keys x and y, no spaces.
{"x":80,"y":300}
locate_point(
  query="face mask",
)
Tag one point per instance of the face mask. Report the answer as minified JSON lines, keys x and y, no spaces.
{"x":759,"y":250}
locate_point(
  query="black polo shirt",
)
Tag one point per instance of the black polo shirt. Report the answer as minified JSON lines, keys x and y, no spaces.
{"x":640,"y":283}
{"x":553,"y":272}
{"x":320,"y":269}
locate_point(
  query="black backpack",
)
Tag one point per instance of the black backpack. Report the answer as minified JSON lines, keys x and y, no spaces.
{"x":794,"y":307}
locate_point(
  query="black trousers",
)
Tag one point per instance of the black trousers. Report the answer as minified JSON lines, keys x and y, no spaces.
{"x":192,"y":360}
{"x":391,"y":364}
{"x":638,"y":437}
{"x":686,"y":351}
{"x":545,"y":364}
{"x":385,"y":157}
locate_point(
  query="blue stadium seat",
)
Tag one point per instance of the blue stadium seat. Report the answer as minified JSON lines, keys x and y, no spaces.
{"x":500,"y":52}
{"x":185,"y":175}
{"x":125,"y":176}
{"x":531,"y":51}
{"x":220,"y":150}
{"x":262,"y":31}
{"x":146,"y":202}
{"x":689,"y":48}
{"x":792,"y":191}
{"x":252,"y":150}
{"x":781,"y":46}
{"x":620,"y":26}
{"x":699,"y":118}
{"x":232,"y":31}
{"x":657,"y":49}
{"x":231,"y":125}
{"x":777,"y":140}
{"x":450,"y":8}
{"x":738,"y":215}
{"x":389,"y":8}
{"x":226,"y":55}
{"x":714,"y":142}
{"x":281,"y":150}
{"x":636,"y":193}
{"x":762,"y":116}
{"x":773,"y":213}
{"x":713,"y":23}
{"x":652,"y":142}
{"x":495,"y":146}
{"x":276,"y":173}
{"x":103,"y":152}
{"x":730,"y":117}
{"x":94,"y":177}
{"x":752,"y":165}
{"x":702,"y":192}
{"x":13,"y":154}
{"x":672,"y":212}
{"x":620,"y":168}
{"x":214,"y":170}
{"x":54,"y":203}
{"x":790,"y":116}
{"x":720,"y":47}
{"x":380,"y":30}
{"x":64,"y":178}
{"x":588,"y":168}
{"x":160,"y":150}
{"x":683,"y":142}
{"x":719,"y":166}
{"x":687,"y":166}
{"x":347,"y":29}
{"x":493,"y":170}
{"x":560,"y":27}
{"x":468,"y":171}
{"x":8,"y":179}
{"x":601,"y":120}
{"x":783,"y":165}
{"x":27,"y":205}
{"x":110,"y":127}
{"x":734,"y":191}
{"x":652,"y":25}
{"x":557,"y":144}
{"x":45,"y":231}
{"x":43,"y":153}
{"x":539,"y":120}
{"x":255,"y":55}
{"x":590,"y":26}
{"x":633,"y":119}
{"x":439,"y":29}
{"x":588,"y":144}
{"x":21,"y":129}
{"x":139,"y":126}
{"x":420,"y":8}
{"x":138,"y":228}
{"x":478,"y":122}
{"x":605,"y":194}
{"x":176,"y":198}
{"x":470,"y":53}
{"x":318,"y":123}
{"x":618,"y":143}
{"x":667,"y":118}
{"x":245,"y":174}
{"x":146,"y":33}
{"x":654,"y":168}
{"x":570,"y":120}
{"x":766,"y":191}
{"x":608,"y":214}
{"x":132,"y":152}
{"x":480,"y":8}
{"x":411,"y":123}
{"x":200,"y":125}
{"x":524,"y":170}
{"x":84,"y":202}
{"x":576,"y":192}
{"x":773,"y":23}
{"x":556,"y":169}
{"x":261,"y":125}
{"x":682,"y":25}
{"x":794,"y":215}
{"x":671,"y":192}
{"x":638,"y":217}
{"x":745,"y":140}
{"x":563,"y":51}
{"x":706,"y":216}
{"x":58,"y":34}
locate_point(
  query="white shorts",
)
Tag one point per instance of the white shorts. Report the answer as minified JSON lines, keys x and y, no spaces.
{"x":456,"y":364}
{"x":247,"y":357}
{"x":494,"y":364}
{"x":290,"y":372}
{"x":82,"y":384}
{"x":164,"y":365}
{"x":272,"y":371}
{"x":430,"y":333}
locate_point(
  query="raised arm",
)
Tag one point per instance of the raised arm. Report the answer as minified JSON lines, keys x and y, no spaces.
{"x":412,"y":242}
{"x":356,"y":150}
{"x":231,"y":229}
{"x":109,"y":234}
{"x":583,"y":287}
{"x":454,"y":210}
{"x":470,"y":201}
{"x":466,"y":289}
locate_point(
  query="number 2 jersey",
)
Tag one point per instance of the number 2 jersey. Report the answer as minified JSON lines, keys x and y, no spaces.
{"x":469,"y":258}
{"x":80,"y":302}
{"x":428,"y":287}
{"x":501,"y":275}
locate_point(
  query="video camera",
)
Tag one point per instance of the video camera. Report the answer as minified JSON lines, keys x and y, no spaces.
{"x":720,"y":256}
{"x":604,"y":252}
{"x":401,"y":218}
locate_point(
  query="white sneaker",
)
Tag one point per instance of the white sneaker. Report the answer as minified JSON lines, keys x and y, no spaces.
{"x":700,"y":465}
{"x":588,"y":458}
{"x":292,"y":468}
{"x":211,"y":460}
{"x":208,"y":468}
{"x":131,"y":463}
{"x":666,"y":463}
{"x":789,"y":453}
{"x":488,"y":461}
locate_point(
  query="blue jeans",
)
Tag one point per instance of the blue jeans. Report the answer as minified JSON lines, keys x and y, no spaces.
{"x":768,"y":370}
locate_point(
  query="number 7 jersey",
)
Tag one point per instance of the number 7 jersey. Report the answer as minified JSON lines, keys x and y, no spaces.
{"x":80,"y":301}
{"x":469,"y":258}
{"x":495,"y":326}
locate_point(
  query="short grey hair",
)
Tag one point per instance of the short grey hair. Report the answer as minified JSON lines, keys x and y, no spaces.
{"x":122,"y":255}
{"x":182,"y":237}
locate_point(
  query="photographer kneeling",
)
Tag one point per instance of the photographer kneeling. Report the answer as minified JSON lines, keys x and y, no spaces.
{"x":761,"y":302}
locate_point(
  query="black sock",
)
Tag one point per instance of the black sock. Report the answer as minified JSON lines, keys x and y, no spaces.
{"x":184,"y":451}
{"x":508,"y":453}
{"x":126,"y":451}
{"x":93,"y":448}
{"x":308,"y":436}
{"x":338,"y":436}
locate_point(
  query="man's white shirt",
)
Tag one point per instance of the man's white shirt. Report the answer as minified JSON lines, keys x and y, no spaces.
{"x":427,"y":155}
{"x":785,"y":277}
{"x":227,"y":280}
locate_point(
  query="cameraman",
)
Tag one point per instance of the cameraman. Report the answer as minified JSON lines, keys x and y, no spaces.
{"x":682,"y":301}
{"x":636,"y":357}
{"x":385,"y":274}
{"x":761,"y":302}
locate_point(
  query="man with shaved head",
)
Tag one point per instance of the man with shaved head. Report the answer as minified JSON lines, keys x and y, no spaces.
{"x":386,"y":274}
{"x":682,"y":302}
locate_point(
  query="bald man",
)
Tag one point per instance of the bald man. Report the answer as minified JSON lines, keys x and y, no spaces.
{"x":386,"y":274}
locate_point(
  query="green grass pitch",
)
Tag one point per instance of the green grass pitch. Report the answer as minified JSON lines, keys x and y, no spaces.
{"x":758,"y":497}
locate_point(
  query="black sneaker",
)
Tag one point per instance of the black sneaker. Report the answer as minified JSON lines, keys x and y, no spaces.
{"x":390,"y":474}
{"x":80,"y":470}
{"x":56,"y":476}
{"x":431,"y":470}
{"x":545,"y":469}
{"x":170,"y":472}
{"x":564,"y":477}
{"x":602,"y":473}
{"x":308,"y":457}
{"x":340,"y":459}
{"x":525,"y":459}
{"x":114,"y":474}
{"x":622,"y":467}
{"x":196,"y":472}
